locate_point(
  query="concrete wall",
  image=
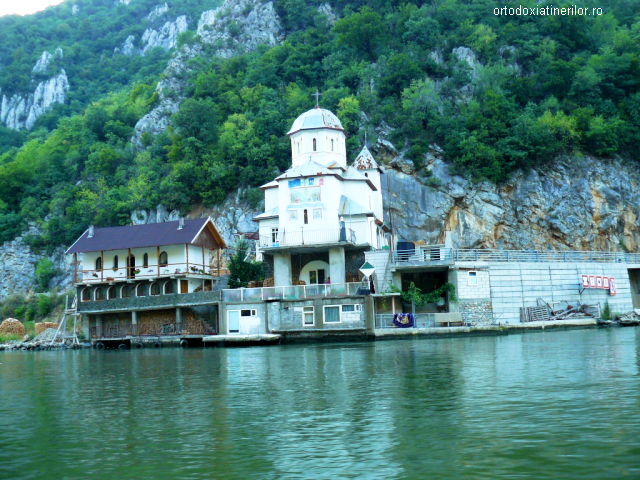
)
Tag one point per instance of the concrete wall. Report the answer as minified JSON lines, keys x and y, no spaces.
{"x":251,"y":325}
{"x":287,"y":316}
{"x":516,"y":285}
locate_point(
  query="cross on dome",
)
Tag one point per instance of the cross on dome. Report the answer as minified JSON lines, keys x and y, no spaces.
{"x":317,"y":95}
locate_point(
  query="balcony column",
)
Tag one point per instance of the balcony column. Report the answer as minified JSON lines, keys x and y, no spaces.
{"x":282,"y":269}
{"x":134,"y":322}
{"x":179,"y":326}
{"x":99,"y":326}
{"x":337,"y":265}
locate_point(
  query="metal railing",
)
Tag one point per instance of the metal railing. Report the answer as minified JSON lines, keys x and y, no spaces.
{"x":123,"y":274}
{"x":294,"y":292}
{"x":143,"y":330}
{"x":432,"y":253}
{"x":430,"y":320}
{"x":295,"y":238}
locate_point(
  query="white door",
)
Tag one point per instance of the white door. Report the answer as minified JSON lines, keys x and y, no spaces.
{"x":233,"y":317}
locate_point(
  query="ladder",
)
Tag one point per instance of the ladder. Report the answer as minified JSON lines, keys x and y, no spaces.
{"x":61,"y":332}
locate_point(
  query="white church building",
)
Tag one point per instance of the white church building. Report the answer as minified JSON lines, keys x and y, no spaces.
{"x":321,"y":215}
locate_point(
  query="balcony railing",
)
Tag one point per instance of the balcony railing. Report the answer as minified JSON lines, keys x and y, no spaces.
{"x":432,"y":253}
{"x":143,"y":330}
{"x":294,"y":292}
{"x":123,"y":274}
{"x":296,"y":238}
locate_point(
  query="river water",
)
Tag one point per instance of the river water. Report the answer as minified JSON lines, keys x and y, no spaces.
{"x":538,"y":405}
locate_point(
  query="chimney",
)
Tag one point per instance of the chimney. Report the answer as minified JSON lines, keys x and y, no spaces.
{"x":90,"y":232}
{"x":181,"y":223}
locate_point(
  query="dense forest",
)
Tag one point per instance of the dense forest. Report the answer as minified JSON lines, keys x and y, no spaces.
{"x":540,"y":86}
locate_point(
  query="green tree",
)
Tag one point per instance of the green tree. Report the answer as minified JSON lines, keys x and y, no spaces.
{"x":45,"y":271}
{"x":363,"y":31}
{"x":242,"y":270}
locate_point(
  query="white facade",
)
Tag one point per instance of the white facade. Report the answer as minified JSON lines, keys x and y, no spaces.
{"x":319,"y":195}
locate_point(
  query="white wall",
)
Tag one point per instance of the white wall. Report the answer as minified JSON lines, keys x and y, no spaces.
{"x":315,"y":265}
{"x":323,"y":154}
{"x":515,"y":285}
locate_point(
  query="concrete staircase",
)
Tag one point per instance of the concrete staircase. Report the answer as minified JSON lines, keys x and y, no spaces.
{"x":381,"y":260}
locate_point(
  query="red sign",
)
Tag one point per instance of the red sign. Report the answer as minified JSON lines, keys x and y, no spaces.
{"x":605,"y":283}
{"x":585,"y":281}
{"x":612,"y":286}
{"x":592,"y":281}
{"x":598,"y":281}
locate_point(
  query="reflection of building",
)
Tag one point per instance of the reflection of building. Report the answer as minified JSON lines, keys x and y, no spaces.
{"x":321,"y":215}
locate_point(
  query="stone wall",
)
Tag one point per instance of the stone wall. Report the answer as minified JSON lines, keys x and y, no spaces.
{"x":476,"y":310}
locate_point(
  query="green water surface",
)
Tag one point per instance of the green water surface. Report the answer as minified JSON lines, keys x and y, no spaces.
{"x":540,"y":405}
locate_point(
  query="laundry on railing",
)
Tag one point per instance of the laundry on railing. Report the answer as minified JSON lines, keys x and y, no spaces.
{"x":403,"y":320}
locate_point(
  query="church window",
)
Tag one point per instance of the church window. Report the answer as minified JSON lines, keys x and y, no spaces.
{"x":99,"y":263}
{"x":317,"y":214}
{"x":332,"y":144}
{"x":140,"y":290}
{"x":274,"y":235}
{"x":99,"y":295}
{"x":145,"y":260}
{"x":164,"y":259}
{"x":366,"y":174}
{"x":155,"y":289}
{"x":115,"y":262}
{"x":314,"y":144}
{"x":306,"y":217}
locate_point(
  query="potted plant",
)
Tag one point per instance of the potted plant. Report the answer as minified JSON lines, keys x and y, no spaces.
{"x":136,"y":271}
{"x":94,"y":274}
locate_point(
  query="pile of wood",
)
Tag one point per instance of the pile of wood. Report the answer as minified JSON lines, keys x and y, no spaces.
{"x":157,"y":322}
{"x":544,"y":312}
{"x":11,"y":326}
{"x":629,"y":319}
{"x":269,"y":282}
{"x":194,"y":326}
{"x":41,"y":327}
{"x":255,"y":284}
{"x":352,"y":278}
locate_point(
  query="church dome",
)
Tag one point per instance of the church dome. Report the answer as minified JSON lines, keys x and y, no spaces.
{"x":316,"y":118}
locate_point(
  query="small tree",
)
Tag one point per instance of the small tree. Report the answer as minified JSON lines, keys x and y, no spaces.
{"x":606,"y":311}
{"x":241,"y":270}
{"x":45,"y":271}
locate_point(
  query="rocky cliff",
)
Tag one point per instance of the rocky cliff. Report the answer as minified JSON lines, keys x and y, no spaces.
{"x":21,"y":111}
{"x":572,"y":204}
{"x":235,"y":27}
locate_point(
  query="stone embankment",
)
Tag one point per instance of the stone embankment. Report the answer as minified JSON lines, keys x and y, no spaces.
{"x":40,"y":342}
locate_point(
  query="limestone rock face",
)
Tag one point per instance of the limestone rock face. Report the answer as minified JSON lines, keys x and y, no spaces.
{"x":159,"y":215}
{"x":128,"y":48}
{"x":328,"y":11}
{"x":18,"y":266}
{"x":166,"y":37}
{"x":572,"y":204}
{"x":237,"y":26}
{"x":158,"y":11}
{"x":237,"y":31}
{"x":75,"y":9}
{"x":21,"y":111}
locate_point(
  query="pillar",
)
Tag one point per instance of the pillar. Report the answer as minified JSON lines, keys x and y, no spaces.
{"x":134,"y":323}
{"x":86,"y":327}
{"x":179,"y":320}
{"x":99,"y":326}
{"x":337,"y":265}
{"x":282,"y":269}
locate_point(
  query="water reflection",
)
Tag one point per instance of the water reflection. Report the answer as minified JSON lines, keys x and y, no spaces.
{"x":535,"y":405}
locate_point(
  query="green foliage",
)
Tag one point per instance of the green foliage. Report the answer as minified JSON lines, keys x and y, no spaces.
{"x":606,"y":311}
{"x":45,"y":271}
{"x":30,"y":309}
{"x":544,"y":86}
{"x":241,"y":270}
{"x":414,"y":294}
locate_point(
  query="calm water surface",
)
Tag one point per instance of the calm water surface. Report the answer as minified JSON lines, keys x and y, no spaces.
{"x":541,"y":405}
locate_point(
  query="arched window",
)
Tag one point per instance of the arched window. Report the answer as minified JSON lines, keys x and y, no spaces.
{"x":332,"y":144}
{"x":86,"y":295}
{"x":111,"y":293}
{"x":298,"y":148}
{"x":99,"y":295}
{"x":306,"y":217}
{"x":115,"y":261}
{"x":124,"y":292}
{"x":99,"y":263}
{"x":366,"y":174}
{"x":145,"y":260}
{"x":168,"y":288}
{"x":314,"y":144}
{"x":140,"y":290}
{"x":164,"y":259}
{"x":155,"y":289}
